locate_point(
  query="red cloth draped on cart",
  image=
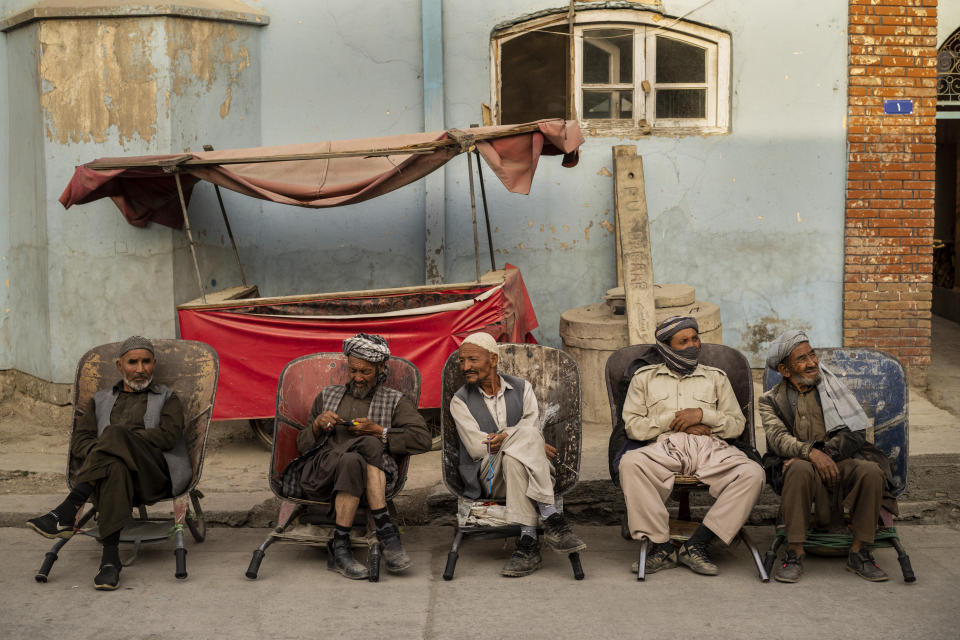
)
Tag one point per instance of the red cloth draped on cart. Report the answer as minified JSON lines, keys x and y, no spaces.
{"x":256,"y":338}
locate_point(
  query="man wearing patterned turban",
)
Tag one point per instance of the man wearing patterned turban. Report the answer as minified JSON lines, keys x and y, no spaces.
{"x":684,"y":412}
{"x":354,"y":431}
{"x":818,"y":456}
{"x":129,"y":442}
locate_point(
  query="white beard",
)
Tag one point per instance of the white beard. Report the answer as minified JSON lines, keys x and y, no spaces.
{"x":137,"y":386}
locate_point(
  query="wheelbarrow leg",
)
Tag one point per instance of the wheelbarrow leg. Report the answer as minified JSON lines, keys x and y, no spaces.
{"x":771,"y":557}
{"x":642,"y":561}
{"x":51,"y":556}
{"x":575,"y":565}
{"x":905,"y":567}
{"x":761,"y":569}
{"x":181,"y":554}
{"x":288,"y":511}
{"x":453,"y":555}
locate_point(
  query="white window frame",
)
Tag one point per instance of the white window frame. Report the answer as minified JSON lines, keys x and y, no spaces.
{"x":647,"y":26}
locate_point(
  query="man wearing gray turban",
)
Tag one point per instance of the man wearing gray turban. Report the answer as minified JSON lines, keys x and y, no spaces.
{"x":347,"y":451}
{"x":817,"y":456}
{"x":683,"y":412}
{"x":131,"y":451}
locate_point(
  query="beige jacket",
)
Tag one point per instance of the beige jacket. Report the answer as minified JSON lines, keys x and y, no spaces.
{"x":656,"y":394}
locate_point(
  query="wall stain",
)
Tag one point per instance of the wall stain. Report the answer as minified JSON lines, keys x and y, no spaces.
{"x":758,"y":335}
{"x":201,"y":52}
{"x":97,"y":74}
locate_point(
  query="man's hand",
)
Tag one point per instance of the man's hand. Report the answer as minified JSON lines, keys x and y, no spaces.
{"x":496,"y":440}
{"x":325,"y":421}
{"x":686,"y":418}
{"x":366,"y":427}
{"x":825,"y":466}
{"x":699,"y":430}
{"x":550,"y":450}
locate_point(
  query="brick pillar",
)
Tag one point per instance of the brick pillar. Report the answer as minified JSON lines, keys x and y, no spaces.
{"x":888,"y":266}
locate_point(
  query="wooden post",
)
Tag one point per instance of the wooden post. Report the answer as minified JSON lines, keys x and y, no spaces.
{"x":630,"y":204}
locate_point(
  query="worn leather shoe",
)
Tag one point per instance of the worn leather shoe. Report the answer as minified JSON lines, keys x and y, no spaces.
{"x":340,"y":559}
{"x":108,"y":578}
{"x":790,"y":569}
{"x":525,"y":559}
{"x":559,"y":537}
{"x":659,"y":557}
{"x":49,"y":526}
{"x":395,"y":558}
{"x":695,"y":556}
{"x":863,"y":564}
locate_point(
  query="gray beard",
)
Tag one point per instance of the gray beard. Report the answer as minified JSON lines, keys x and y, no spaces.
{"x":138,"y":386}
{"x":355,"y":391}
{"x":808,"y":382}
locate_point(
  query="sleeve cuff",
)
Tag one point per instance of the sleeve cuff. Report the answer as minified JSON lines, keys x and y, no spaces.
{"x":805,"y":450}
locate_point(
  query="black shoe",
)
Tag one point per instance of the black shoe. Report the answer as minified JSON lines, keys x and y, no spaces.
{"x":559,"y":536}
{"x":394,"y":556}
{"x":108,"y":578}
{"x":340,"y":559}
{"x":695,"y":556}
{"x":863,"y":564}
{"x":525,"y":559}
{"x":790,"y":569}
{"x":49,"y":526}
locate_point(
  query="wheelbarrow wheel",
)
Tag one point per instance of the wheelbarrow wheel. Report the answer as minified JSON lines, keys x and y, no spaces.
{"x":263,"y":429}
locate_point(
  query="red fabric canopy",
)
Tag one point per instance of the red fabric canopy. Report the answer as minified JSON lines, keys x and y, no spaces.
{"x":256,"y":338}
{"x":145,"y":189}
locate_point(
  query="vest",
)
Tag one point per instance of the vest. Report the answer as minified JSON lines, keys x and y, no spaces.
{"x":473,"y":398}
{"x":178,"y":460}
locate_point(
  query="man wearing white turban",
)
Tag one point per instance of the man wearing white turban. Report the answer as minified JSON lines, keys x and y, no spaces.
{"x":344,"y":451}
{"x":817,"y":455}
{"x":497,"y":424}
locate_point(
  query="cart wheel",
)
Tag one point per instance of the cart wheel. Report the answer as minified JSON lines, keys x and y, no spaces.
{"x":263,"y":429}
{"x":195,"y":520}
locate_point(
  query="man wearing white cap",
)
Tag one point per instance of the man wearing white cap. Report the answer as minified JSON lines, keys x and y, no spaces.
{"x":131,"y":450}
{"x":500,"y":411}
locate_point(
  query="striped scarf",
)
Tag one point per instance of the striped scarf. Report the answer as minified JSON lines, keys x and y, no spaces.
{"x":684,"y":361}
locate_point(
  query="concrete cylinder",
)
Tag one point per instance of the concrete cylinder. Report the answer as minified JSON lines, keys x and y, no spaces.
{"x":592,"y":333}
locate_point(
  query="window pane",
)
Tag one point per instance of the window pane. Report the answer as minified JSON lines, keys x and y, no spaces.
{"x":533,"y":77}
{"x":681,"y":103}
{"x":607,"y":56}
{"x":607,"y":105}
{"x":680,"y":62}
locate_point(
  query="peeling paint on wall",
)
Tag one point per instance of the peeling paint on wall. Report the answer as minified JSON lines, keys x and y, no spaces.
{"x":97,"y":74}
{"x":201,"y":52}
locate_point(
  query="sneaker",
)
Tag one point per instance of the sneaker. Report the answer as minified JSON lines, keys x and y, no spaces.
{"x":394,"y":556}
{"x":340,"y":559}
{"x":525,"y":559}
{"x":108,"y":578}
{"x":863,"y":564}
{"x":49,"y":526}
{"x":659,"y":557}
{"x":790,"y":569}
{"x":559,"y":537}
{"x":695,"y":556}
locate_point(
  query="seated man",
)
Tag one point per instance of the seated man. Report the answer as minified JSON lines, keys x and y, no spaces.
{"x":353,"y":430}
{"x":817,"y":453}
{"x":498,"y":413}
{"x":682,"y":411}
{"x":131,"y":451}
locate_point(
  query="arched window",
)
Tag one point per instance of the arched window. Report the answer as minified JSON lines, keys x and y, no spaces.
{"x":634,"y":72}
{"x":948,"y":75}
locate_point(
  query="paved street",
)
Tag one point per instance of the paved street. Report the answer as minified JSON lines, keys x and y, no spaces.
{"x":296,"y":597}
